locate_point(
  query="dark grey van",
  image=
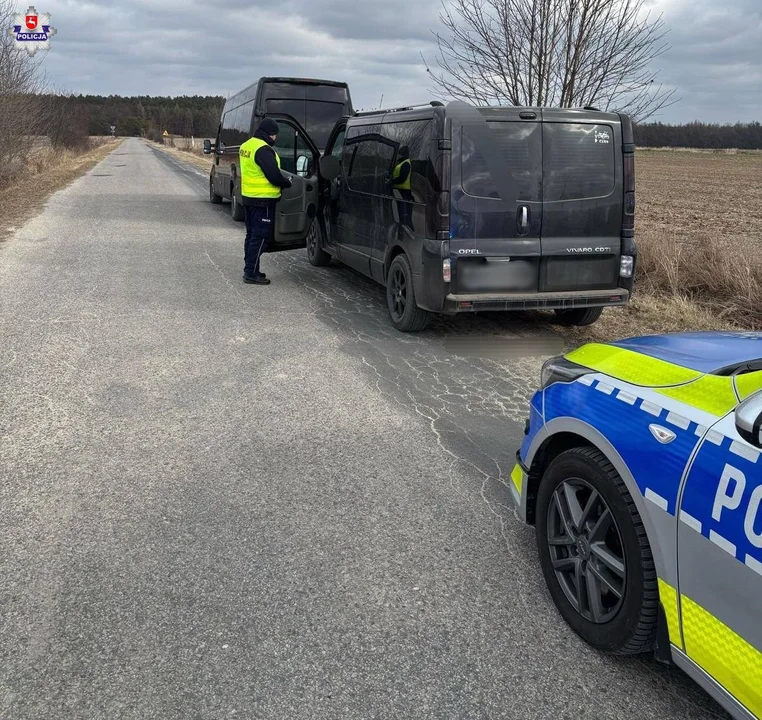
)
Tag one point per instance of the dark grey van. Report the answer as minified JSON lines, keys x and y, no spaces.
{"x":508,"y":209}
{"x":309,"y":110}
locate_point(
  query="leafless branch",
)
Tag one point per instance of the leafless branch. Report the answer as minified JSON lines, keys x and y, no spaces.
{"x":567,"y":53}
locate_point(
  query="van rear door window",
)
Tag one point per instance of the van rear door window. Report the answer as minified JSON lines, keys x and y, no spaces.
{"x":578,"y":161}
{"x":520,"y":148}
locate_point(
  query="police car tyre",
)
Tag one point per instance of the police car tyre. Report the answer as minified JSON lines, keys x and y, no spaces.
{"x":315,"y":253}
{"x":595,"y":555}
{"x":578,"y":316}
{"x":405,"y":314}
{"x":236,"y":208}
{"x":214,"y":198}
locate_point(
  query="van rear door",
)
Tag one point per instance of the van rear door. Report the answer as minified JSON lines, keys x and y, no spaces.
{"x":496,"y":199}
{"x":582,"y":200}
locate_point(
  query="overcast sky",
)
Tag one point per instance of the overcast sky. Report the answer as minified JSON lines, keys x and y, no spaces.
{"x":176,"y":47}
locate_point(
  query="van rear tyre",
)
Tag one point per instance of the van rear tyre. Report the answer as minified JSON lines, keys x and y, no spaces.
{"x":404,"y":312}
{"x":578,"y":316}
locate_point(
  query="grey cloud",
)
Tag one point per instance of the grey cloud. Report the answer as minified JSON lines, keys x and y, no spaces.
{"x":189,"y":47}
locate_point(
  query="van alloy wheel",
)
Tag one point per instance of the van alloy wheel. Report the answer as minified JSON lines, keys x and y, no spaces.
{"x":586,"y":550}
{"x":399,"y":292}
{"x":403,"y":309}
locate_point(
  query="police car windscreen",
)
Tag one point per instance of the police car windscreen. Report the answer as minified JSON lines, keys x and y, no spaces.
{"x":317,"y":117}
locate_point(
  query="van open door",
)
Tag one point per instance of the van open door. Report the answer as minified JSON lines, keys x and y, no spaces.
{"x":298,"y":205}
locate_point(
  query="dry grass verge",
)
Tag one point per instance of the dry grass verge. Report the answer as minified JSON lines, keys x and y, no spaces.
{"x":194,"y":157}
{"x":47,"y":172}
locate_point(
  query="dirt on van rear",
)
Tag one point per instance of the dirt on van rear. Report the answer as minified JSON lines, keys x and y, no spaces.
{"x":699,"y":236}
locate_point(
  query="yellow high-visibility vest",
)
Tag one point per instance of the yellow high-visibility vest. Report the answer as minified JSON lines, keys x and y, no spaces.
{"x":406,"y":184}
{"x":253,"y":180}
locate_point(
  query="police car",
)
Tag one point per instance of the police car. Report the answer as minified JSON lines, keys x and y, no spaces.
{"x":640,"y":469}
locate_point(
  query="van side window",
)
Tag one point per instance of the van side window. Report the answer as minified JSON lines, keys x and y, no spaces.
{"x":338,"y":145}
{"x":227,"y":134}
{"x":371,"y":161}
{"x":578,"y":162}
{"x":243,"y":122}
{"x":414,"y":138}
{"x":520,"y":148}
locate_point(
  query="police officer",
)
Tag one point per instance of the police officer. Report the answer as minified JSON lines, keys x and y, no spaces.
{"x":401,"y":183}
{"x":261,"y":185}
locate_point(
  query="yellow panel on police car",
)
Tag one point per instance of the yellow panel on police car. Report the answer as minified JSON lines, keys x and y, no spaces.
{"x":631,"y":366}
{"x":748,"y":384}
{"x":710,"y":393}
{"x":668,"y":597}
{"x":518,"y":477}
{"x":726,"y":656}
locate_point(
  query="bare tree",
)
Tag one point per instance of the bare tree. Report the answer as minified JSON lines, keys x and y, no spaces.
{"x":22,"y":116}
{"x":566,"y":53}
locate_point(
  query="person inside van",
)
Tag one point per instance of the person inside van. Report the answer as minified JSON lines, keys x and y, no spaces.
{"x":401,"y":183}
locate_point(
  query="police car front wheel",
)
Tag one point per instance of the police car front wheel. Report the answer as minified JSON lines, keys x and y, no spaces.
{"x":595,"y":554}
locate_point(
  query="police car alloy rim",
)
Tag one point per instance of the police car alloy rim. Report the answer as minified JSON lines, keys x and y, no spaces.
{"x":586,"y":550}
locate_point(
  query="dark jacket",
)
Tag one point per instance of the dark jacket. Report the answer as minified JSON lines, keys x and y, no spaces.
{"x":265,"y":158}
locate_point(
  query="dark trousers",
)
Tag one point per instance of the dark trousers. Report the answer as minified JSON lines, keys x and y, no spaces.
{"x":259,"y":233}
{"x":405,"y":210}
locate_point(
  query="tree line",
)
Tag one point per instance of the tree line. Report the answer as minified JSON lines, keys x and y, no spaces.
{"x":199,"y":116}
{"x":745,"y":136}
{"x":189,"y":116}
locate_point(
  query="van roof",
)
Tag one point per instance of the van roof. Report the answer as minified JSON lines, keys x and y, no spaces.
{"x":304,"y":81}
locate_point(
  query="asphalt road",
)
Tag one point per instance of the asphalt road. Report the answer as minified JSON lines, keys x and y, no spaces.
{"x":229,"y":501}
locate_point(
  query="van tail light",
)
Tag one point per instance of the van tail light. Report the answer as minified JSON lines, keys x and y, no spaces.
{"x":628,"y":220}
{"x":446,"y":271}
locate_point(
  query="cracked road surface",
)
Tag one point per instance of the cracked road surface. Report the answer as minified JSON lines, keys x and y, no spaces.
{"x":231,"y":501}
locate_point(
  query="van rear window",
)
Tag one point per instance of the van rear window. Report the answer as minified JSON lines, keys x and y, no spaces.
{"x":316,"y":117}
{"x":520,"y":147}
{"x":578,"y":161}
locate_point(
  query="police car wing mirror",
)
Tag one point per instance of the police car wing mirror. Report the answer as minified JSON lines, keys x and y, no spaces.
{"x":330,"y":167}
{"x":207,"y":147}
{"x":749,"y":420}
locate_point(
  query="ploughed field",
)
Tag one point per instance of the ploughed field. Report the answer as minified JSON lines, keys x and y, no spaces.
{"x":685,"y":195}
{"x":698,"y":223}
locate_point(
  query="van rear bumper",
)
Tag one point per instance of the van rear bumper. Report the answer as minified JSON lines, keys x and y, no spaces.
{"x":534,"y":301}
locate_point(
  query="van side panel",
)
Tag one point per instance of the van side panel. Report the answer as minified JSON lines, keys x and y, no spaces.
{"x":405,"y":215}
{"x":582,"y":201}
